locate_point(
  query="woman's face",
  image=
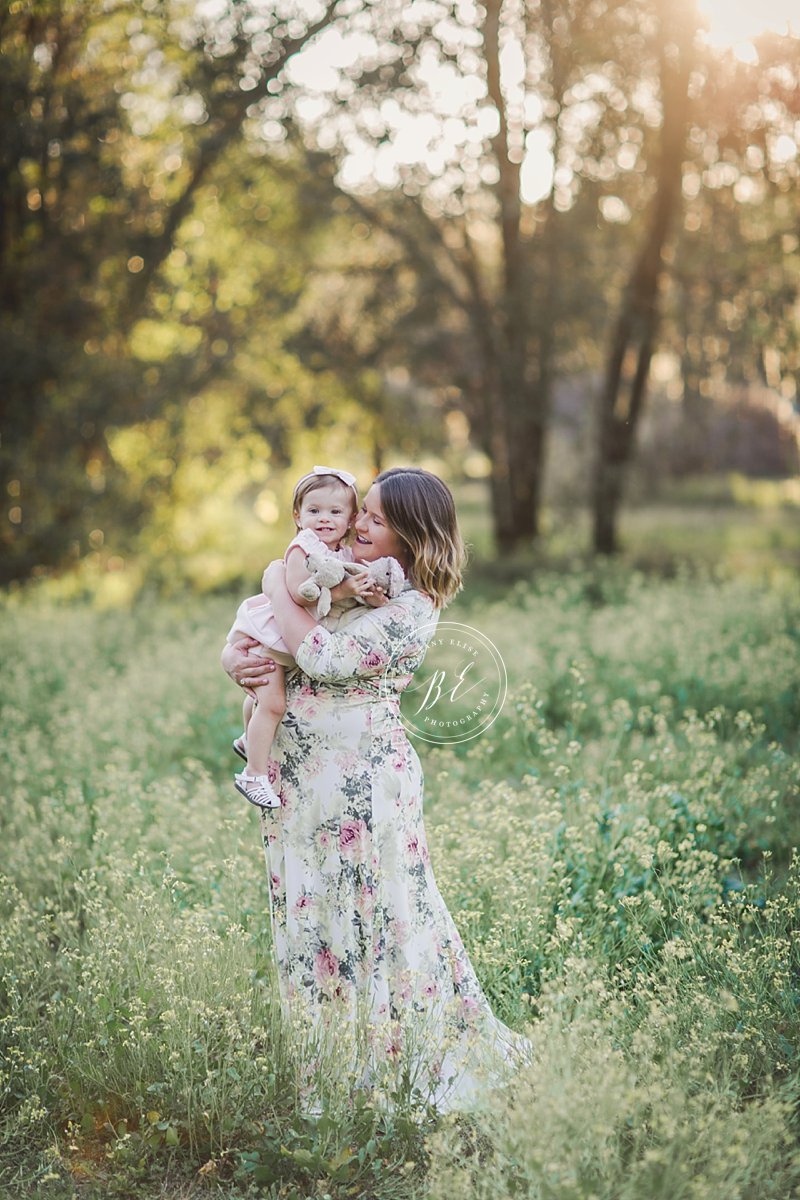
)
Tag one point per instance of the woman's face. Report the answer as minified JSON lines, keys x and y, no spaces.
{"x":374,"y":538}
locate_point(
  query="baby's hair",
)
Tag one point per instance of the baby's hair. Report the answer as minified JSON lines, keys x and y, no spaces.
{"x":420,"y":509}
{"x":313,"y":483}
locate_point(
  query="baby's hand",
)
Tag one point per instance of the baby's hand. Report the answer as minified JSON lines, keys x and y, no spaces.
{"x":353,"y":585}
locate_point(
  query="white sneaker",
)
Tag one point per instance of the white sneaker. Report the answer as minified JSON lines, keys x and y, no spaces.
{"x":257,"y":789}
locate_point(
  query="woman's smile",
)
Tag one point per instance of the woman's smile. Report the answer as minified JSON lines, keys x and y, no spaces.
{"x":374,"y":537}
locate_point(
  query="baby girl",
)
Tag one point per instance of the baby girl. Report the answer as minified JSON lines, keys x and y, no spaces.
{"x":324,"y":507}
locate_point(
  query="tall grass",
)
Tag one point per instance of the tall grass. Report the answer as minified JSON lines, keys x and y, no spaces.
{"x":617,"y":852}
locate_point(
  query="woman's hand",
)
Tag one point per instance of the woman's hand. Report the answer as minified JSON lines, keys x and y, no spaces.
{"x":273,"y":576}
{"x":377,"y":597}
{"x":249,"y":671}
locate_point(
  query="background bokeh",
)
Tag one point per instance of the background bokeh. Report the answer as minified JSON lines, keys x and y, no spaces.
{"x":549,"y":250}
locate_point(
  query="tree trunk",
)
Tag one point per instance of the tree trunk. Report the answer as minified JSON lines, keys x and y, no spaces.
{"x":634,"y":331}
{"x":517,"y":440}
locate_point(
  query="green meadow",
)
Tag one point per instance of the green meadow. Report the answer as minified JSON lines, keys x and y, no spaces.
{"x":618,"y":852}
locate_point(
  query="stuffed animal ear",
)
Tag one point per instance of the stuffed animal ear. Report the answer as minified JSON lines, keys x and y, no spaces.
{"x":389,"y":574}
{"x":396,"y":578}
{"x":324,"y":602}
{"x":354,"y":568}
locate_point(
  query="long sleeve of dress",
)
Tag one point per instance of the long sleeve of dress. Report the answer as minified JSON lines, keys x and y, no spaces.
{"x":369,"y":645}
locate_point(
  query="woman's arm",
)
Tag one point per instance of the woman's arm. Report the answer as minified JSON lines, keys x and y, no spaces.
{"x":297,"y":572}
{"x":363,"y":649}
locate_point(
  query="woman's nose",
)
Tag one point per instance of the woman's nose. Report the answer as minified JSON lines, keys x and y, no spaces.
{"x":359,"y":527}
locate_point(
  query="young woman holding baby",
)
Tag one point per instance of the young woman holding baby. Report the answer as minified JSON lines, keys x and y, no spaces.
{"x":364,"y":942}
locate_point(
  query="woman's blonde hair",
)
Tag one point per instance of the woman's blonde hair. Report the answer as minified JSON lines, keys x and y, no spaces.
{"x":420,"y":509}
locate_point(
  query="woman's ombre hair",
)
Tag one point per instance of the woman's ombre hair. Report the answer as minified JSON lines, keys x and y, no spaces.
{"x":419,"y":508}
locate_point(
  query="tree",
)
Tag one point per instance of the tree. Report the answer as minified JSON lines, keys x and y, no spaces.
{"x":111,"y":125}
{"x":718,"y":287}
{"x":506,"y":274}
{"x":731,"y":314}
{"x":633,"y":335}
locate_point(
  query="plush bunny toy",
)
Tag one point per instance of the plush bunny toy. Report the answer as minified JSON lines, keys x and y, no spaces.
{"x":327,"y":571}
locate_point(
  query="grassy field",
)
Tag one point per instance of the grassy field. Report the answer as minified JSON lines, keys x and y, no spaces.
{"x":617,"y":851}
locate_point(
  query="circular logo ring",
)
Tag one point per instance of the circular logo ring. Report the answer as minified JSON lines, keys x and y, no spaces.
{"x":443,"y":723}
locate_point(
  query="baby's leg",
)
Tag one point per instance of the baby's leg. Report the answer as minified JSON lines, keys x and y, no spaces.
{"x":240,"y":743}
{"x":247,"y":712}
{"x":265,"y":719}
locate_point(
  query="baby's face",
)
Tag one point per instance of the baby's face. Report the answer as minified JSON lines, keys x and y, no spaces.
{"x":327,"y":511}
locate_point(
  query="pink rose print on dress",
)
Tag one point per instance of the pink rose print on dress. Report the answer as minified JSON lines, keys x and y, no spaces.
{"x":308,"y":705}
{"x":470,"y":1008}
{"x":350,"y":763}
{"x":302,"y":903}
{"x":394,"y":1045}
{"x":326,"y":967}
{"x":373,"y":658}
{"x":353,"y":836}
{"x":412,"y":845}
{"x":402,"y":932}
{"x":403,"y":989}
{"x":365,"y":902}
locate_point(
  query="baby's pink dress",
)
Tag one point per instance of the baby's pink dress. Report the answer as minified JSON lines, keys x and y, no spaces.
{"x":255,"y":618}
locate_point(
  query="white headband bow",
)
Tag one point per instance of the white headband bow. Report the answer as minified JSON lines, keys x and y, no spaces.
{"x":345,"y":477}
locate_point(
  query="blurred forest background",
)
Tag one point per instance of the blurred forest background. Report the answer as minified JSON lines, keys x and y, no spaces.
{"x":548,"y":249}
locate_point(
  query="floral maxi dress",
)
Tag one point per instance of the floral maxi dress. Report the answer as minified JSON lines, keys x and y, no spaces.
{"x":365,"y":946}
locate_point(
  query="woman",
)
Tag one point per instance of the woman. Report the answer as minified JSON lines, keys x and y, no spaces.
{"x":365,"y":946}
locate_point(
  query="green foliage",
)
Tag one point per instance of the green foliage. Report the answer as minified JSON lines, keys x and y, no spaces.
{"x":190,"y":298}
{"x":617,"y":852}
{"x":149,"y":254}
